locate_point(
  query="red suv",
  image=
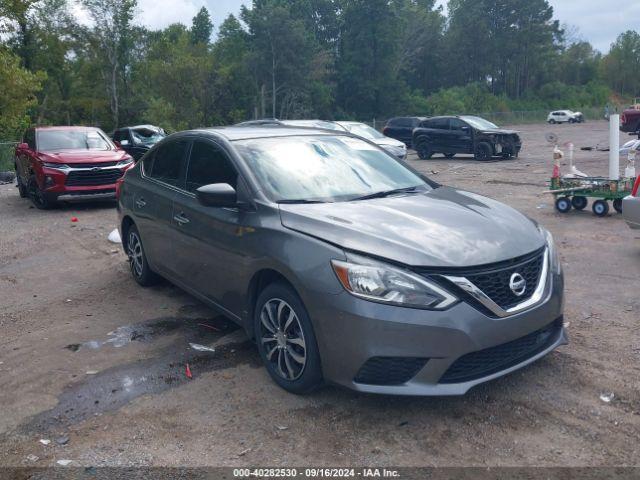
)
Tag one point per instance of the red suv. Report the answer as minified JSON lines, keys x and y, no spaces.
{"x":68,"y":163}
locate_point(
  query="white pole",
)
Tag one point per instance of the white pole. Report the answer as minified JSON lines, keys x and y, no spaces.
{"x":614,"y":147}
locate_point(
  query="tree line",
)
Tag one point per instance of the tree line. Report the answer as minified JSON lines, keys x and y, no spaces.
{"x":358,"y":59}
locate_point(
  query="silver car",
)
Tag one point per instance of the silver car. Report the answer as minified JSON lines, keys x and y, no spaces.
{"x":394,"y":147}
{"x":631,"y":206}
{"x":344,"y":264}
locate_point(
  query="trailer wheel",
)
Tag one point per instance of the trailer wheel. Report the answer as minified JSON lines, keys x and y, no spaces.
{"x":617,"y":204}
{"x":579,"y":203}
{"x":600,"y":208}
{"x":563,"y":204}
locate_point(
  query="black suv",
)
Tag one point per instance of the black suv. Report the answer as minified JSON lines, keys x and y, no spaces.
{"x":401,"y":128}
{"x":137,"y":141}
{"x":464,"y":134}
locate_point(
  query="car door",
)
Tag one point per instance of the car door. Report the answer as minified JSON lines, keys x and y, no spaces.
{"x":439,"y":134}
{"x":460,"y":134}
{"x":163,"y":173}
{"x":208,"y":240}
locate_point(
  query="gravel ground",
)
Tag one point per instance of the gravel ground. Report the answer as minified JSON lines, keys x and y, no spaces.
{"x":95,"y":364}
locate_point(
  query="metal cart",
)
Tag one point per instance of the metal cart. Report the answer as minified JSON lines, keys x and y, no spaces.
{"x":574,"y":192}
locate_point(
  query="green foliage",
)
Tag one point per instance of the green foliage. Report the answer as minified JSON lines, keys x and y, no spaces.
{"x":331,"y":59}
{"x":18,"y":88}
{"x":201,"y":28}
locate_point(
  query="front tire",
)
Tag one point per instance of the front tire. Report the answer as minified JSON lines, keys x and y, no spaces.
{"x":563,"y":204}
{"x":483,"y":151}
{"x":579,"y":203}
{"x":37,"y":196}
{"x":286,"y":340}
{"x":138,"y":263}
{"x":449,"y":156}
{"x":424,"y":151}
{"x":552,"y":121}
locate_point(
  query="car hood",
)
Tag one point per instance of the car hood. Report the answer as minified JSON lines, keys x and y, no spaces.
{"x":84,"y":156}
{"x":500,"y":131}
{"x":388,"y":142}
{"x":444,"y":227}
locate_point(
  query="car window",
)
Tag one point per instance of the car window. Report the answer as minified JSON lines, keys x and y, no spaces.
{"x":457,"y":124}
{"x":168,"y":163}
{"x":439,"y":123}
{"x":209,"y":164}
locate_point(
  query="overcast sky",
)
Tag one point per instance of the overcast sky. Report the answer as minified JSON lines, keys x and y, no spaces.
{"x":598,"y":21}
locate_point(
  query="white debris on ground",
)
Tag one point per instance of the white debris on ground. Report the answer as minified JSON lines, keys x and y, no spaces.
{"x":607,"y":397}
{"x":114,"y":236}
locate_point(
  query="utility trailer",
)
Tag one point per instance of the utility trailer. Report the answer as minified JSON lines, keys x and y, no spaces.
{"x":574,"y":192}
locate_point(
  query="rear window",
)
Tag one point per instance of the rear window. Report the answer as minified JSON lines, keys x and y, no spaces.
{"x":56,"y":140}
{"x":167,"y":164}
{"x":438,"y":123}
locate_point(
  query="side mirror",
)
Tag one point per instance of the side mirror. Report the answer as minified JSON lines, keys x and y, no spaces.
{"x":23,"y":146}
{"x":217,"y":195}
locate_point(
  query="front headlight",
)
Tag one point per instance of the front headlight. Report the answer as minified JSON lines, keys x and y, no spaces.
{"x":554,"y":256}
{"x":57,"y":166}
{"x":125,"y":162}
{"x":380,"y":282}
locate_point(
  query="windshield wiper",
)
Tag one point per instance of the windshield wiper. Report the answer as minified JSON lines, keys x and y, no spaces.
{"x":299,"y":200}
{"x":387,"y":193}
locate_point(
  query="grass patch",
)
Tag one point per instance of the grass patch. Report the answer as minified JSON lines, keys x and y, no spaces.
{"x":6,"y":156}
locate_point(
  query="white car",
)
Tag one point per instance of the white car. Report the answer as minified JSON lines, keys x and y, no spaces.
{"x":395,"y":147}
{"x":631,"y":206}
{"x":565,"y":116}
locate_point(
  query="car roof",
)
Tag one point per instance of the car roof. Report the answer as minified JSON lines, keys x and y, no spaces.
{"x":265,"y":131}
{"x":65,"y":127}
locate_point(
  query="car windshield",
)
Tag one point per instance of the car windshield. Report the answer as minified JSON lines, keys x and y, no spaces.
{"x":56,"y":140}
{"x":146,"y":136}
{"x":363,"y":130}
{"x":479,"y":123}
{"x":324,"y":168}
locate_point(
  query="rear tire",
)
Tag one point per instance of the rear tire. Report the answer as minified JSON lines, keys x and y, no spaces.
{"x":22,"y":189}
{"x":600,"y":208}
{"x":617,"y":205}
{"x":483,"y":151}
{"x":552,"y":121}
{"x":286,"y":340}
{"x":138,"y":263}
{"x":449,"y":155}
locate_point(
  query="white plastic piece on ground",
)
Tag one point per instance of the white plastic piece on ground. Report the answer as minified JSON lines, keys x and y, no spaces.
{"x":114,"y":236}
{"x":64,"y":463}
{"x":614,"y":147}
{"x":44,"y":441}
{"x":201,"y":348}
{"x":607,"y":397}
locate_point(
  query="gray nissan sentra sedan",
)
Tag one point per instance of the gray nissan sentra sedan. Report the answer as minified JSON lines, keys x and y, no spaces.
{"x":343,"y":263}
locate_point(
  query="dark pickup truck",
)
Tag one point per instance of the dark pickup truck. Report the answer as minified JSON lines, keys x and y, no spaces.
{"x":630,"y":120}
{"x":464,"y":134}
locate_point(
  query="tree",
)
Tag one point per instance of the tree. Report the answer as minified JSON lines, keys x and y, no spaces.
{"x":111,"y":38}
{"x":621,"y":65}
{"x":201,"y":28}
{"x":368,"y":58}
{"x":18,"y":88}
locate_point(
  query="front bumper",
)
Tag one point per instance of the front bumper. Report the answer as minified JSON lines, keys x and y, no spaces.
{"x":351,"y":331}
{"x":631,"y":211}
{"x":56,"y":185}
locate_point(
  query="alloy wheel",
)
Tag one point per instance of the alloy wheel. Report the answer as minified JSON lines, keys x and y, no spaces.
{"x":282,"y":339}
{"x":134,"y":252}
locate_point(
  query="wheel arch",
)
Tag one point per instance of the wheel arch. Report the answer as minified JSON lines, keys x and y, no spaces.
{"x":260,"y":280}
{"x":125,"y":225}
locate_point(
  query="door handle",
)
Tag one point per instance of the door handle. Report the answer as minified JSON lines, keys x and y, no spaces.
{"x":140,"y":203}
{"x":181,"y":219}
